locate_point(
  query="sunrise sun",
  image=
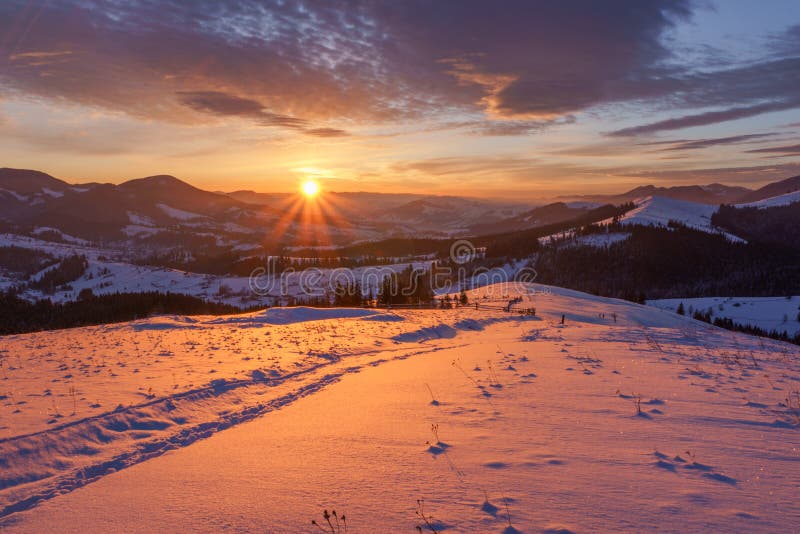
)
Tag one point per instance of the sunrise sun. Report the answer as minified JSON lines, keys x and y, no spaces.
{"x":310,"y":188}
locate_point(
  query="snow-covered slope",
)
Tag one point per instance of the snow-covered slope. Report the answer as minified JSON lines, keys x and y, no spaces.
{"x":499,"y":422}
{"x":570,"y":238}
{"x":767,"y":313}
{"x":780,"y":200}
{"x":659,"y":211}
{"x":106,"y":275}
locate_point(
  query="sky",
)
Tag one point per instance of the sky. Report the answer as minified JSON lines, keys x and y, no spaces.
{"x":509,"y":99}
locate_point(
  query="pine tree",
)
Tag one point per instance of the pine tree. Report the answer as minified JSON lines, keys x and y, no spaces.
{"x":388,"y":293}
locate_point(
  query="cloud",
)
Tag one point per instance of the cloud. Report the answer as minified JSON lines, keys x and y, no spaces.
{"x":490,"y":128}
{"x":465,"y":165}
{"x":219,"y":103}
{"x":522,"y":67}
{"x":523,"y":172}
{"x":225,"y":105}
{"x":326,"y":132}
{"x":361,"y":60}
{"x":748,"y":175}
{"x":703,"y":119}
{"x":697,"y":144}
{"x":788,"y":42}
{"x":787,"y":150}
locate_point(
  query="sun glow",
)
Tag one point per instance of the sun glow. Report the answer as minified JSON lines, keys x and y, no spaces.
{"x":310,"y":188}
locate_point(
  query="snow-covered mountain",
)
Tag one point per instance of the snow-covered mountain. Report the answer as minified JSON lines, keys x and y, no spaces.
{"x":772,"y":190}
{"x":712,"y":194}
{"x":160,"y":212}
{"x":116,"y":274}
{"x":162,"y":234}
{"x":148,"y":212}
{"x":660,"y":211}
{"x":781,"y":200}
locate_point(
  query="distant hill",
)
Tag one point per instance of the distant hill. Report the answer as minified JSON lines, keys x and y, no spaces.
{"x":771,"y":202}
{"x":541,"y":216}
{"x":259,"y":199}
{"x":28,"y":182}
{"x":137,"y":209}
{"x":774,"y":189}
{"x":661,"y":211}
{"x":179,"y":195}
{"x":712,"y":194}
{"x":164,"y":213}
{"x":448,"y":215}
{"x":20,"y":189}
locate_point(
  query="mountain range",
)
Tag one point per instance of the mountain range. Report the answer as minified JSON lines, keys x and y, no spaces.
{"x":159,"y":212}
{"x":159,"y":233}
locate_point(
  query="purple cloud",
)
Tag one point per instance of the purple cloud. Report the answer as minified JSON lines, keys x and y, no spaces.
{"x":703,"y":119}
{"x":307,"y":66}
{"x":786,"y":150}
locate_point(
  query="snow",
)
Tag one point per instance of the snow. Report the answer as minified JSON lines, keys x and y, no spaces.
{"x":66,"y":237}
{"x":244,"y":247}
{"x":139,"y":219}
{"x":298,"y":314}
{"x":591,"y":240}
{"x":768,"y":313}
{"x":178,"y":214}
{"x":56,"y":249}
{"x":14,"y":194}
{"x":237,"y":228}
{"x":780,"y":200}
{"x":601,"y":240}
{"x":106,"y":275}
{"x":659,"y":211}
{"x":51,"y":193}
{"x":490,"y":417}
{"x":133,"y":230}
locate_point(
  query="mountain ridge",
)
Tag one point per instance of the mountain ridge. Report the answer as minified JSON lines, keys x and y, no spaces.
{"x":774,"y":189}
{"x":157,"y":210}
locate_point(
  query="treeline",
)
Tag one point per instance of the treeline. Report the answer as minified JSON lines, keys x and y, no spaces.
{"x":776,"y":226}
{"x":232,"y":264}
{"x":386,"y":248}
{"x":728,"y":324}
{"x":23,"y":261}
{"x":523,"y":243}
{"x":20,"y":316}
{"x":180,"y":258}
{"x":409,"y":287}
{"x":281,"y":264}
{"x":670,"y":263}
{"x":68,"y":270}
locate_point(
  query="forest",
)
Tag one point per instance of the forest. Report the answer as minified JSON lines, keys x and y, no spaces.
{"x":670,"y":262}
{"x":20,"y":316}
